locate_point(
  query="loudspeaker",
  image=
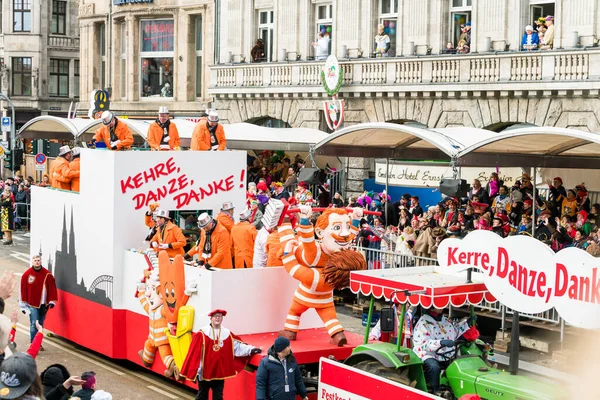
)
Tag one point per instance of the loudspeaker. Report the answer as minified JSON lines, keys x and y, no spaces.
{"x":387,"y":320}
{"x":309,"y":175}
{"x":454,"y":187}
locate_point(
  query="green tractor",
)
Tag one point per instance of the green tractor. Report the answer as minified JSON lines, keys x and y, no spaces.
{"x":469,"y":371}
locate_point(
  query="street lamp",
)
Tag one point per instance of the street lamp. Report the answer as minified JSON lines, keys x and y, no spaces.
{"x":12,"y":129}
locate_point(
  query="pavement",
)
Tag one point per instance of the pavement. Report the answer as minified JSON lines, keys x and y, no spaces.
{"x":123,"y":379}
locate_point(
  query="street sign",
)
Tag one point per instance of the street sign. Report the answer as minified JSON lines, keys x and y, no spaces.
{"x":5,"y":124}
{"x":40,"y":162}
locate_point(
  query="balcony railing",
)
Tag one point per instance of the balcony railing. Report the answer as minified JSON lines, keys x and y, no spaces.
{"x":521,"y":71}
{"x":64,"y":42}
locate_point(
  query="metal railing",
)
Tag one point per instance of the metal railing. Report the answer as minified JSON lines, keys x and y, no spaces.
{"x":22,"y":215}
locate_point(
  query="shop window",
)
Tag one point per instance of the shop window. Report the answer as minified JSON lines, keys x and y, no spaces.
{"x":156,"y":57}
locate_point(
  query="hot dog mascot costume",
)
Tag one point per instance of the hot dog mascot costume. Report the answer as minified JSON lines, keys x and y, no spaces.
{"x":320,"y":267}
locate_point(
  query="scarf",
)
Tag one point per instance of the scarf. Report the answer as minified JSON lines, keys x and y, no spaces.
{"x":213,"y":136}
{"x":113,"y":135}
{"x":208,"y":243}
{"x":165,"y":128}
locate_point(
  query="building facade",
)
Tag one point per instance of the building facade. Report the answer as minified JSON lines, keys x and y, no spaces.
{"x":148,"y":54}
{"x":39,"y":56}
{"x":493,"y":86}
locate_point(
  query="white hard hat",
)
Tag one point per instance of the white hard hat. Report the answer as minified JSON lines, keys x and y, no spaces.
{"x":107,"y":117}
{"x":163,"y":110}
{"x":161,"y":214}
{"x":76,"y":151}
{"x":64,"y":150}
{"x":213,"y":116}
{"x":204,"y":219}
{"x":228,"y":205}
{"x":244,"y":215}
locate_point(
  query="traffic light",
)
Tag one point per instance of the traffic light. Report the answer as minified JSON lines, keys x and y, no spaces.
{"x":8,"y":160}
{"x":18,"y":154}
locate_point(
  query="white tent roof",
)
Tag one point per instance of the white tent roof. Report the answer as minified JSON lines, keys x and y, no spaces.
{"x":242,"y":136}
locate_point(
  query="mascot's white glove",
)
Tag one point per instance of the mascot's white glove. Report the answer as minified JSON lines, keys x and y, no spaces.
{"x":357,"y":213}
{"x":191,"y":287}
{"x":290,"y":246}
{"x":305,"y":211}
{"x":163,"y":246}
{"x":154,"y":244}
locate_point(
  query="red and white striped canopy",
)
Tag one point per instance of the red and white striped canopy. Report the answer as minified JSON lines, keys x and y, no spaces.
{"x":441,"y":288}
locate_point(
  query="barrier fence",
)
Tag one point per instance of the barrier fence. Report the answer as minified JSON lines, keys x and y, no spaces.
{"x":22,"y":213}
{"x":383,"y":259}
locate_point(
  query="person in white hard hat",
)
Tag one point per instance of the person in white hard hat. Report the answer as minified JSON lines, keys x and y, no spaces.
{"x":243,"y":235}
{"x":60,"y":172}
{"x":209,"y":134}
{"x":75,"y":166}
{"x":114,"y":133}
{"x":214,"y":245}
{"x":225,"y":217}
{"x":168,"y":236}
{"x":162,"y":134}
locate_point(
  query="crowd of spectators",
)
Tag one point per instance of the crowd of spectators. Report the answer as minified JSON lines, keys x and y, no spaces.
{"x":14,"y":204}
{"x":562,"y":218}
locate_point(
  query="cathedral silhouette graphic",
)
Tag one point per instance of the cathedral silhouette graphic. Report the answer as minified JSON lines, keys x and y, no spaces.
{"x":64,"y":269}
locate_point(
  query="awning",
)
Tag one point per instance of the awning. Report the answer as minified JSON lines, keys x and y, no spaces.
{"x":441,"y":288}
{"x":536,"y":147}
{"x":388,"y":140}
{"x":48,"y":127}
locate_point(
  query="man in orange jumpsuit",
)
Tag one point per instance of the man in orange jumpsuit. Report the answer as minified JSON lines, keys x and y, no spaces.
{"x":114,"y":133}
{"x":306,"y":262}
{"x":61,"y":173}
{"x":150,"y":299}
{"x":209,"y":134}
{"x":168,"y":236}
{"x":225,"y":218}
{"x":162,"y":134}
{"x":214,"y":245}
{"x":75,"y":166}
{"x":243,"y":235}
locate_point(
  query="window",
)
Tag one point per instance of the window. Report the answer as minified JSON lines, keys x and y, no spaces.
{"x":59,"y":17}
{"x":22,"y":15}
{"x":123,"y":61}
{"x":199,"y":56}
{"x":460,"y":13}
{"x":102,"y":37}
{"x":388,"y":20}
{"x":540,"y":9}
{"x":324,"y":27}
{"x":21,"y":76}
{"x":59,"y":78}
{"x":156,"y":56}
{"x":265,"y":32}
{"x":76,"y":78}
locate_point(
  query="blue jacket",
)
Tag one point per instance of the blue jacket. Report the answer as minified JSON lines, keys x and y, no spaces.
{"x":535,"y":40}
{"x":270,"y":378}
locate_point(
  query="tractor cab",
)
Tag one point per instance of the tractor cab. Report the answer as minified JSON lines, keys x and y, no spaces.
{"x":468,"y":369}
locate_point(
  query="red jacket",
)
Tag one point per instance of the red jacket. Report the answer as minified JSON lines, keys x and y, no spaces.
{"x":32,"y":286}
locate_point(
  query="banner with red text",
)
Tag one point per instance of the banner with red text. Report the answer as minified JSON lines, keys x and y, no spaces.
{"x":341,"y":382}
{"x":526,"y":275}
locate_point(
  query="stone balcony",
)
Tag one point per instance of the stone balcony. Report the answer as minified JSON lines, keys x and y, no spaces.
{"x":60,"y":42}
{"x":506,"y":73}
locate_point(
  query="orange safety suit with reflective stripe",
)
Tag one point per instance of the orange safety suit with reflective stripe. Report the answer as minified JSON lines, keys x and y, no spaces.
{"x":157,"y":337}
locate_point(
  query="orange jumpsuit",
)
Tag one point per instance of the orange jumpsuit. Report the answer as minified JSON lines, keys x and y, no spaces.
{"x":61,"y":174}
{"x":75,"y":165}
{"x":172,"y":235}
{"x":157,"y":338}
{"x":155,"y":135}
{"x":243,"y":235}
{"x":273,"y":249}
{"x":220,"y":249}
{"x":121,"y":130}
{"x":201,"y":137}
{"x":225,"y":220}
{"x":305,"y":264}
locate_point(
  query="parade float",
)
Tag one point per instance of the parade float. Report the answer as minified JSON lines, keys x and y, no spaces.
{"x":86,"y":240}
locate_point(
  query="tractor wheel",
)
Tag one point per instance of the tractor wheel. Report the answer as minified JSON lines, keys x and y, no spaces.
{"x":399,"y":375}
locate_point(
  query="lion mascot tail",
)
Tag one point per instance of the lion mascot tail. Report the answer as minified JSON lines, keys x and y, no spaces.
{"x":338,"y":267}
